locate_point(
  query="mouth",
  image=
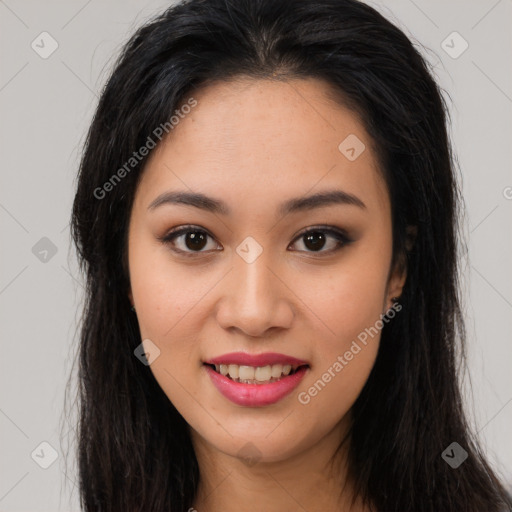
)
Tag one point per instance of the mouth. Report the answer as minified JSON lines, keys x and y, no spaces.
{"x":256,"y":374}
{"x":250,"y":380}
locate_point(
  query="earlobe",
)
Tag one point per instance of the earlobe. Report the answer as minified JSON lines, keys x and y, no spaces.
{"x":396,"y":285}
{"x":399,"y":275}
{"x":130,"y":297}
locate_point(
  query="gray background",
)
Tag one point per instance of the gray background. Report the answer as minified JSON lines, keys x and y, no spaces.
{"x":46,"y":106}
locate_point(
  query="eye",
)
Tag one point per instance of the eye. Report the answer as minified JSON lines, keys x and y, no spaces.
{"x":315,"y":239}
{"x":193,"y":240}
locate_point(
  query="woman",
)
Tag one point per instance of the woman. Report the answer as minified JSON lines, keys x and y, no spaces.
{"x":266,"y":214}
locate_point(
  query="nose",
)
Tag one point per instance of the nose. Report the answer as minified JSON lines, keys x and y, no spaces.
{"x":255,"y":298}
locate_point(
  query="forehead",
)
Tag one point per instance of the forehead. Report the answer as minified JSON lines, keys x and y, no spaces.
{"x":261,"y":138}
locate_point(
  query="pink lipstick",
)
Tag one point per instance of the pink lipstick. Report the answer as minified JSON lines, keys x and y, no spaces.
{"x":255,"y":380}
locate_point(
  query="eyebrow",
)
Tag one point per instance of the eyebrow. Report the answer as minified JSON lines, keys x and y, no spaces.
{"x":210,"y":204}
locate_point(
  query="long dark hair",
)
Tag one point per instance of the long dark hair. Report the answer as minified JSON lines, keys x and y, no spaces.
{"x":133,"y":447}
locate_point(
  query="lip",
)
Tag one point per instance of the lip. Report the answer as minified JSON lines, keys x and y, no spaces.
{"x":245,"y":359}
{"x":255,"y":395}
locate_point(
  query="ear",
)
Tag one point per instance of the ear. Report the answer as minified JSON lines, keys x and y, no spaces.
{"x":396,"y":283}
{"x":130,"y":296}
{"x":398,"y":275}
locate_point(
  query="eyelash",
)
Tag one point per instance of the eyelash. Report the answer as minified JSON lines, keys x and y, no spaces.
{"x":340,"y":237}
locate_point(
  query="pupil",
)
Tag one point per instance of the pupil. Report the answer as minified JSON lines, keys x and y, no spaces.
{"x":315,"y":240}
{"x":195,"y":240}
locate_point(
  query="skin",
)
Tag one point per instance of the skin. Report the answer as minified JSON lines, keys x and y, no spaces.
{"x":255,"y":144}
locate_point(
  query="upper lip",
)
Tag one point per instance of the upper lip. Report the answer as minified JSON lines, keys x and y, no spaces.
{"x":265,"y":359}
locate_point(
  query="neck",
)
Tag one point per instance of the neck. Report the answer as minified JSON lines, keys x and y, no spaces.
{"x":309,"y":480}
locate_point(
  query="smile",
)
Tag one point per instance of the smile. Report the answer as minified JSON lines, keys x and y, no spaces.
{"x":255,"y":380}
{"x":255,"y":375}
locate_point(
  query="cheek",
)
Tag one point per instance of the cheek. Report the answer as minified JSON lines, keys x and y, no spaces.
{"x":168,"y":302}
{"x":174,"y":306}
{"x":349,"y":304}
{"x":347,"y":299}
{"x":164,"y":291}
{"x":168,"y":298}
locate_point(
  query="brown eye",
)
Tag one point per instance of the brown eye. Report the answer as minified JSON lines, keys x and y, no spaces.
{"x":195,"y":240}
{"x":316,"y":239}
{"x":188,"y":240}
{"x":191,"y":241}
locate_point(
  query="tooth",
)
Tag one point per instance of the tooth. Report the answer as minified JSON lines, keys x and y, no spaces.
{"x":224,"y":369}
{"x":217,"y":368}
{"x":263,"y":373}
{"x":233,"y":371}
{"x":246,"y":372}
{"x":287,"y":368}
{"x":277,"y":369}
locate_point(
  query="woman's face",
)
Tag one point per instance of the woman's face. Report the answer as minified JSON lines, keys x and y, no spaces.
{"x":244,"y":287}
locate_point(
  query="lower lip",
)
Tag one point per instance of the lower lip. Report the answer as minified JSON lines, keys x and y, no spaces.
{"x":256,"y":395}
